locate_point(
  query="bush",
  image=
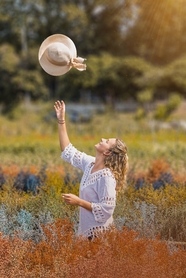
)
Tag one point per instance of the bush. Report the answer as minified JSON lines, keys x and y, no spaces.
{"x":116,"y":254}
{"x":140,"y":113}
{"x":163,"y":111}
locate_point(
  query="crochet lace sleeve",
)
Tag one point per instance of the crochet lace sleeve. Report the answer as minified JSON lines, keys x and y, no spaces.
{"x":76,"y":158}
{"x":104,"y":209}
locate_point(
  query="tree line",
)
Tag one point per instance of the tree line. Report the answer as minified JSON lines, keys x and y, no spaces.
{"x":131,"y":47}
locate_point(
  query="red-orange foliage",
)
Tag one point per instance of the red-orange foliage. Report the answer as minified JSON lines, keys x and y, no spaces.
{"x":158,"y":167}
{"x":155,"y":171}
{"x":11,"y":171}
{"x":14,"y":170}
{"x":61,"y":254}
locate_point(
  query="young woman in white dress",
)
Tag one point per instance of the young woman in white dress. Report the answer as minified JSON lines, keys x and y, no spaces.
{"x":102,"y":176}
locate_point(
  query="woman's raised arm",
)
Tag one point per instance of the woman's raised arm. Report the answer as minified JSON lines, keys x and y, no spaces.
{"x":59,"y":107}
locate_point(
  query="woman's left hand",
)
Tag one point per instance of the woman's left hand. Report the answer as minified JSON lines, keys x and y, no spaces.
{"x":71,"y":199}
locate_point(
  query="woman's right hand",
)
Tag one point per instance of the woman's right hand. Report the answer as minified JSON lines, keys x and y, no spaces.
{"x":59,"y":107}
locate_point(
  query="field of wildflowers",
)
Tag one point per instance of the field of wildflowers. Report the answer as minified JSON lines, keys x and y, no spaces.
{"x":38,"y":231}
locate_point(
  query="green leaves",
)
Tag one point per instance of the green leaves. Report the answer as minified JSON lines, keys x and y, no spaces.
{"x":18,"y":78}
{"x":163,"y":111}
{"x":118,"y":38}
{"x":8,"y":59}
{"x":106,"y":76}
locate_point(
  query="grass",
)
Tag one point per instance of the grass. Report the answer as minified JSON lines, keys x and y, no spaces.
{"x":29,"y":135}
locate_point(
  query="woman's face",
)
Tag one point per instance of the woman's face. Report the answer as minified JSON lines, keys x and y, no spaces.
{"x":105,"y":144}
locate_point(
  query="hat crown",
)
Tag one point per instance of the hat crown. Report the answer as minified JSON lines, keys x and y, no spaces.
{"x":59,"y":53}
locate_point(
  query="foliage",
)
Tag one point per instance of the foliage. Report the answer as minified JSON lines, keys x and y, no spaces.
{"x":140,"y":113}
{"x":163,"y":112}
{"x":114,"y":36}
{"x":107,"y":77}
{"x":8,"y":66}
{"x":145,"y":96}
{"x":17,"y":81}
{"x":165,"y":80}
{"x":153,"y":203}
{"x":173,"y":78}
{"x":149,"y":213}
{"x":60,"y":254}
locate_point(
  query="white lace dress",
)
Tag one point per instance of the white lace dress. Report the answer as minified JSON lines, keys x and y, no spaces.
{"x":97,"y":188}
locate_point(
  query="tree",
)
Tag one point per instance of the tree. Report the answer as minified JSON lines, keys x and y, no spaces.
{"x":8,"y":66}
{"x":164,"y":80}
{"x":109,"y":21}
{"x":159,"y":33}
{"x":107,"y":77}
{"x":17,"y":82}
{"x":174,"y":77}
{"x":94,"y":26}
{"x":106,"y":33}
{"x":17,"y":19}
{"x":88,"y":23}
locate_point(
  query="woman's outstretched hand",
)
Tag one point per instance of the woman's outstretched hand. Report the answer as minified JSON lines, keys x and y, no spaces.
{"x":59,"y":107}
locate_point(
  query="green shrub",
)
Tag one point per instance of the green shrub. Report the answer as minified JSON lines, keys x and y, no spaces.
{"x":163,"y":111}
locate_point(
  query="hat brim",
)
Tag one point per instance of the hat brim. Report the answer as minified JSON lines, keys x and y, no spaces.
{"x":50,"y":68}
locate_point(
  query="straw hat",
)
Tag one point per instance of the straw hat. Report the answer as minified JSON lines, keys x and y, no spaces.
{"x":58,"y":54}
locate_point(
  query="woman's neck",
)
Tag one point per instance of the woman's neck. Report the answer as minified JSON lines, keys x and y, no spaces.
{"x":99,"y":164}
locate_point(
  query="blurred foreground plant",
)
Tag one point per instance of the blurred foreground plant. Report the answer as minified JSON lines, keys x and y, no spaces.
{"x":115,"y":254}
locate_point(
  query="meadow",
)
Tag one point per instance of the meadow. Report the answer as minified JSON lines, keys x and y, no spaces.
{"x":38,"y":231}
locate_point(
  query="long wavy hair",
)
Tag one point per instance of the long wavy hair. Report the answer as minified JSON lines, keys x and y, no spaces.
{"x":117,"y":162}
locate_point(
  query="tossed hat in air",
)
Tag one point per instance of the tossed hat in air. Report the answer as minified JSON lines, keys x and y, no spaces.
{"x":58,"y":54}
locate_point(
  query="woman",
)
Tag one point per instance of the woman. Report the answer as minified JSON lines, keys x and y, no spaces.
{"x":97,"y":194}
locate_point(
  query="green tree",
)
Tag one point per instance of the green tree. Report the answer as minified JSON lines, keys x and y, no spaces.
{"x":109,"y":21}
{"x":94,"y":26}
{"x":8,"y":66}
{"x":108,"y":77}
{"x":17,"y":19}
{"x":174,"y":77}
{"x":106,"y":33}
{"x":164,"y":80}
{"x":16,"y":82}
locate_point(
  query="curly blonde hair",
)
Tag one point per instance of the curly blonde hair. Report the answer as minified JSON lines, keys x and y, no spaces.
{"x":117,"y":162}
